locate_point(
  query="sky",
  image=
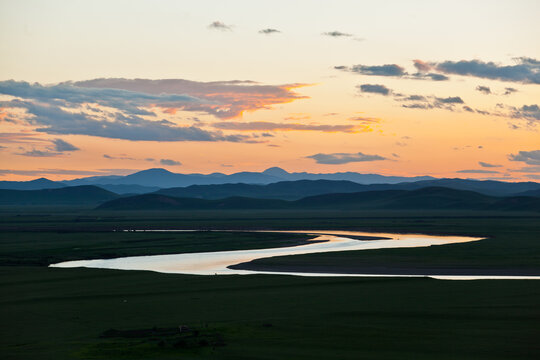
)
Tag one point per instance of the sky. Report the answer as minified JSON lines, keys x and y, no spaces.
{"x":404,"y":88}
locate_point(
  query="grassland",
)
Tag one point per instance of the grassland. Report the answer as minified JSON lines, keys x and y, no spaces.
{"x":106,"y":314}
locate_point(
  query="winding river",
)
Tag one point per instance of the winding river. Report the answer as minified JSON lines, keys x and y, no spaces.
{"x":217,"y":263}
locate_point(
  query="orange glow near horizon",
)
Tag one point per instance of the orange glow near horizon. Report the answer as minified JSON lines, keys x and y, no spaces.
{"x":239,"y":100}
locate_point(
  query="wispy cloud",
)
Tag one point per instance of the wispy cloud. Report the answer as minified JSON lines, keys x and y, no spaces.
{"x":63,"y":146}
{"x":528,"y":112}
{"x":374,"y":89}
{"x":483,"y":89}
{"x":41,"y":172}
{"x":271,"y":126}
{"x":430,"y":102}
{"x":18,"y":138}
{"x":169,"y":162}
{"x":488,"y":165}
{"x":223,"y":99}
{"x":54,"y":120}
{"x":365,"y":119}
{"x":58,"y":147}
{"x":336,"y":33}
{"x":219,"y":25}
{"x":528,"y":157}
{"x":375,"y":70}
{"x":395,"y":70}
{"x":526,"y":70}
{"x":39,"y":153}
{"x":343,"y":158}
{"x":477,"y":171}
{"x":528,"y":169}
{"x":269,"y":31}
{"x":125,"y":109}
{"x":120,"y":157}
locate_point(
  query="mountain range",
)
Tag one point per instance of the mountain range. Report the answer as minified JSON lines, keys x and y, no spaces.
{"x":165,"y":179}
{"x":429,"y":198}
{"x":271,"y":183}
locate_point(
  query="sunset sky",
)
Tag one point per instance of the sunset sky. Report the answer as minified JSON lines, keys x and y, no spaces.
{"x":440,"y":88}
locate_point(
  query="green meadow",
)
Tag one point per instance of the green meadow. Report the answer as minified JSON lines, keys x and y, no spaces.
{"x":51,"y":313}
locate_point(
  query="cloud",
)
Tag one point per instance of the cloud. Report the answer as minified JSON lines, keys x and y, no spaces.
{"x":509,"y":91}
{"x":343,"y":158}
{"x":365,"y":120}
{"x":526,"y":70}
{"x":169,"y":162}
{"x":40,"y":172}
{"x":374,"y":89}
{"x":218,"y":25}
{"x":430,"y":76}
{"x":54,"y":120}
{"x":422,"y":66}
{"x":271,"y":126}
{"x":62,"y":146}
{"x":17,"y":138}
{"x":39,"y":153}
{"x":528,"y":157}
{"x":395,"y":70}
{"x":223,"y":99}
{"x":529,"y":169}
{"x":336,"y":34}
{"x":122,"y":157}
{"x":488,"y":165}
{"x":125,"y":108}
{"x":70,"y":94}
{"x":483,"y":89}
{"x":477,"y":171}
{"x":376,"y":70}
{"x":450,"y":100}
{"x":269,"y":31}
{"x":57,"y":147}
{"x":533,"y":176}
{"x":430,"y":102}
{"x":528,"y":112}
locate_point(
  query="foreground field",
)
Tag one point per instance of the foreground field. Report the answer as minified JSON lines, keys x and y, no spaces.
{"x":63,"y":313}
{"x":106,"y":314}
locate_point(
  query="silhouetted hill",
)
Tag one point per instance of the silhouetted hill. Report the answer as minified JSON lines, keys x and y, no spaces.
{"x":535,"y":193}
{"x":285,"y":190}
{"x":432,"y":198}
{"x":488,"y":187}
{"x":426,"y":198}
{"x":163,"y":202}
{"x":71,"y":195}
{"x":36,"y":184}
{"x":128,"y":189}
{"x":292,"y":190}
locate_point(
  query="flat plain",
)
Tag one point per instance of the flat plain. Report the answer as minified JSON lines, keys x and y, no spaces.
{"x":81,"y":313}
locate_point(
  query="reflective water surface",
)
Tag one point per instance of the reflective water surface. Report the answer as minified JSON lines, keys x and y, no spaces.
{"x":216,"y":263}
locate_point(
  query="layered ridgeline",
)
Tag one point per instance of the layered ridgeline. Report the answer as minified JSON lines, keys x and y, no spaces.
{"x":293,"y":190}
{"x":70,"y":195}
{"x":270,"y":184}
{"x":153,"y":179}
{"x":430,"y":198}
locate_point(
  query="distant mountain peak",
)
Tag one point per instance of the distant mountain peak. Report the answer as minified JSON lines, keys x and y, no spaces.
{"x":154,"y":171}
{"x":275,"y":171}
